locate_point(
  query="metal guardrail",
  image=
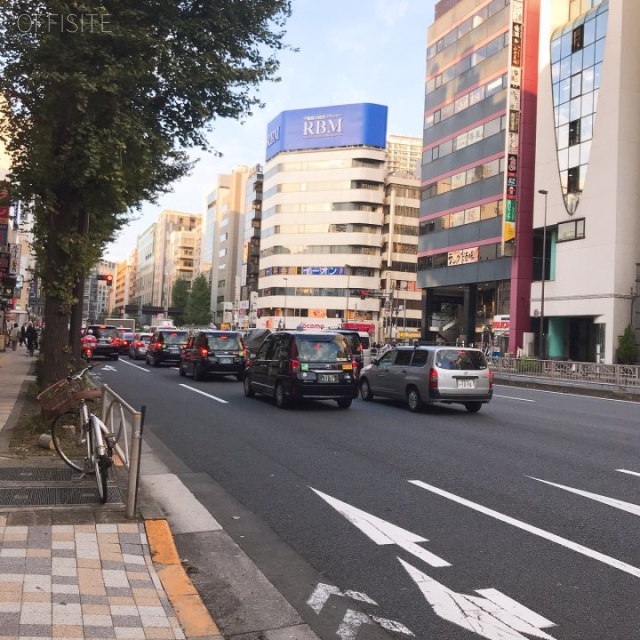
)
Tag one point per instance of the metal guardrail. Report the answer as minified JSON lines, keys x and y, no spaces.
{"x":126,"y":423}
{"x":616,"y":375}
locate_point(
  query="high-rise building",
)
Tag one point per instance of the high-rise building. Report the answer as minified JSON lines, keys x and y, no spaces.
{"x":404,"y":155}
{"x":475,"y":246}
{"x":587,"y":166}
{"x":322,"y":217}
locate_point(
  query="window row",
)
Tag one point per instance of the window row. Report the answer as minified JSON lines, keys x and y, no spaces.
{"x":405,"y":212}
{"x":466,"y":101}
{"x":301,"y":249}
{"x":481,"y":54}
{"x":464,"y":178}
{"x":581,"y":85}
{"x":466,"y":26}
{"x":578,"y":62}
{"x":319,"y":207}
{"x":463,"y":140}
{"x":319,"y":165}
{"x":364,"y":272}
{"x":465,"y":216}
{"x":578,"y":7}
{"x":402,"y":229}
{"x":440,"y":260}
{"x":319,"y":228}
{"x":403,"y":192}
{"x":594,"y":28}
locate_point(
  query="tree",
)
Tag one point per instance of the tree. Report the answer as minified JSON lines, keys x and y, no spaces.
{"x":100,"y":101}
{"x":180,"y":299}
{"x":627,"y":348}
{"x":199,"y":305}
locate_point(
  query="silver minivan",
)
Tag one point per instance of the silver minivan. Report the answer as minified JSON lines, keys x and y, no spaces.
{"x":426,"y":374}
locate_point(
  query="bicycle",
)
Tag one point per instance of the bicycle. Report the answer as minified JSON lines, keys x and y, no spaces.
{"x":79,"y":437}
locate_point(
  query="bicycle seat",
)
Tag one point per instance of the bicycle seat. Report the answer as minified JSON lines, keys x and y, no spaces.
{"x":89,"y":394}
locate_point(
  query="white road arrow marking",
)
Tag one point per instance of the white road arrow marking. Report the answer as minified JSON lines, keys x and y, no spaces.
{"x":612,"y":502}
{"x":491,"y":615}
{"x":353,"y":620}
{"x":108,"y":367}
{"x":382,"y":532}
{"x":552,"y":537}
{"x":322,"y":593}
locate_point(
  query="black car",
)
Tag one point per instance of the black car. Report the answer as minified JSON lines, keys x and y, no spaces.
{"x":208,"y":353}
{"x":166,"y":346}
{"x":292,"y":365}
{"x":108,"y":340}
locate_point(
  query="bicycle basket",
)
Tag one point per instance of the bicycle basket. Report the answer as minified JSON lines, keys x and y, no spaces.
{"x":59,"y":397}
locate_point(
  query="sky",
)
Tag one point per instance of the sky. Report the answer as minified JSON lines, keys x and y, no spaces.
{"x":349,"y":51}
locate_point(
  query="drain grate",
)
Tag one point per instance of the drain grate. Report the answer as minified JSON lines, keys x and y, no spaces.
{"x":55,"y":496}
{"x":36,"y":474}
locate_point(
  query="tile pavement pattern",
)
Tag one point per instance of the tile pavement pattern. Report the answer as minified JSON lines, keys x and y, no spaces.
{"x":81,"y":581}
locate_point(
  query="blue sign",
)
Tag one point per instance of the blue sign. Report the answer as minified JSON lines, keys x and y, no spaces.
{"x":344,"y":125}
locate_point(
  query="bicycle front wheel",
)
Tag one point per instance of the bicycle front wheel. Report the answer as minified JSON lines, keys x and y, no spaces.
{"x":69,"y":440}
{"x":101,"y":467}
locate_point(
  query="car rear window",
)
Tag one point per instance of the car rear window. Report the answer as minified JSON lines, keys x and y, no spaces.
{"x":365,"y":342}
{"x":460,"y":359}
{"x":319,"y":348}
{"x":175,"y":337}
{"x":127,"y":336}
{"x":223,"y":341}
{"x":103,"y":332}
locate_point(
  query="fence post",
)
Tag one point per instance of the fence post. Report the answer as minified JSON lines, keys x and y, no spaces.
{"x":134,"y":465}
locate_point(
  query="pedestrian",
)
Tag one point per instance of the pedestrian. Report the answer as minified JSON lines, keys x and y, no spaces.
{"x":23,"y":333}
{"x":14,"y":336}
{"x":32,"y":338}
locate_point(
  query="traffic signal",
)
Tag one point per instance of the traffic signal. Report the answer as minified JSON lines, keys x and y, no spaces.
{"x":108,"y":278}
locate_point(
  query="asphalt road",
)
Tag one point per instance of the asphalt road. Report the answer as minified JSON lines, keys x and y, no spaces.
{"x":517,"y":522}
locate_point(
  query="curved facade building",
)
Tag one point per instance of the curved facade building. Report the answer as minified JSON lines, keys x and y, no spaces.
{"x":322,"y":217}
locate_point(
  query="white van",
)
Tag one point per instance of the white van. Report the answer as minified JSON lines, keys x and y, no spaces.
{"x":365,"y":339}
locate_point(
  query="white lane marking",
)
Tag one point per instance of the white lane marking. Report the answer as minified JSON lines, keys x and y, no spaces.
{"x":629,"y":507}
{"x":202,"y":393}
{"x":382,"y":532}
{"x":571,"y":395}
{"x":552,"y":537}
{"x":493,"y":615}
{"x":514,"y":398}
{"x":631,"y":473}
{"x":137,"y":366}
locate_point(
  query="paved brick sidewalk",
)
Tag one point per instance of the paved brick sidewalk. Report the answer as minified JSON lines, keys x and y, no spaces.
{"x":78,"y":572}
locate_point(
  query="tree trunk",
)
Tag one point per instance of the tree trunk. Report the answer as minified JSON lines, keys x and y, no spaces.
{"x":75,"y":321}
{"x":55,"y":343}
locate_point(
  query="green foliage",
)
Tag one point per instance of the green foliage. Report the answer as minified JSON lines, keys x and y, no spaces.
{"x":627,"y":348}
{"x":528,"y":364}
{"x":199,"y":305}
{"x":180,"y":299}
{"x":97,"y":111}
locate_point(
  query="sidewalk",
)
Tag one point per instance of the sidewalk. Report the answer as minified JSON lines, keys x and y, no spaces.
{"x":80,"y":572}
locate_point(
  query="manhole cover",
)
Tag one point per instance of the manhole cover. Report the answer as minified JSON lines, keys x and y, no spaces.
{"x":55,"y":496}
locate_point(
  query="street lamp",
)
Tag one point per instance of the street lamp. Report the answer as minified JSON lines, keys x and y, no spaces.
{"x":284,"y":318}
{"x":541,"y":345}
{"x":346,"y":311}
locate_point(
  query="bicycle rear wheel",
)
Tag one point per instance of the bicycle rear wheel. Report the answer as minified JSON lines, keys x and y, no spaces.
{"x":69,"y":440}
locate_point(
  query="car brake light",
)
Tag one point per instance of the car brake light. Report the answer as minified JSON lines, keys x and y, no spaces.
{"x":158,"y":345}
{"x":294,"y":367}
{"x":204,"y":352}
{"x":433,"y":379}
{"x":490,"y":379}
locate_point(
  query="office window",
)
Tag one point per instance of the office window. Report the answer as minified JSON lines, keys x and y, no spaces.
{"x":578,"y":38}
{"x":574,"y":132}
{"x":573,"y":180}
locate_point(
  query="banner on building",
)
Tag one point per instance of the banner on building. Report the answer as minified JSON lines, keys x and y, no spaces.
{"x":14,"y":259}
{"x":5,"y":204}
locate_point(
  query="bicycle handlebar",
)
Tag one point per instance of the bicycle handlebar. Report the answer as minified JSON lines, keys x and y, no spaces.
{"x":77,"y":376}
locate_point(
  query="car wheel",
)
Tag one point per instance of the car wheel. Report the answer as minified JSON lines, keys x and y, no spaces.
{"x":240,"y":376}
{"x":473,"y":407}
{"x":365,"y":390}
{"x":181,"y":370}
{"x":156,"y":362}
{"x":282,"y":402}
{"x":344,"y":403}
{"x":248,"y":387}
{"x":115,"y":357}
{"x":413,"y":399}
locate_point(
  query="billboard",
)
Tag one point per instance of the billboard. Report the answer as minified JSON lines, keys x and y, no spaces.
{"x":344,"y":125}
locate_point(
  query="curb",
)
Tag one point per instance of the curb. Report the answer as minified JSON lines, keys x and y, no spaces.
{"x":194,"y":617}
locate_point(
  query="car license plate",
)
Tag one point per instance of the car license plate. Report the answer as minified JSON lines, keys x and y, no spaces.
{"x":328,"y":377}
{"x":225,"y":360}
{"x":465,"y":384}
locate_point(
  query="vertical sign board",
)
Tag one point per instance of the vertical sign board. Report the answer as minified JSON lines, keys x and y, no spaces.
{"x":14,"y":260}
{"x":4,"y":213}
{"x":514,"y":94}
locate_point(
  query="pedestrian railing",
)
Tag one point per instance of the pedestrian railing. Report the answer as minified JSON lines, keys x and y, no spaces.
{"x":618,"y":375}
